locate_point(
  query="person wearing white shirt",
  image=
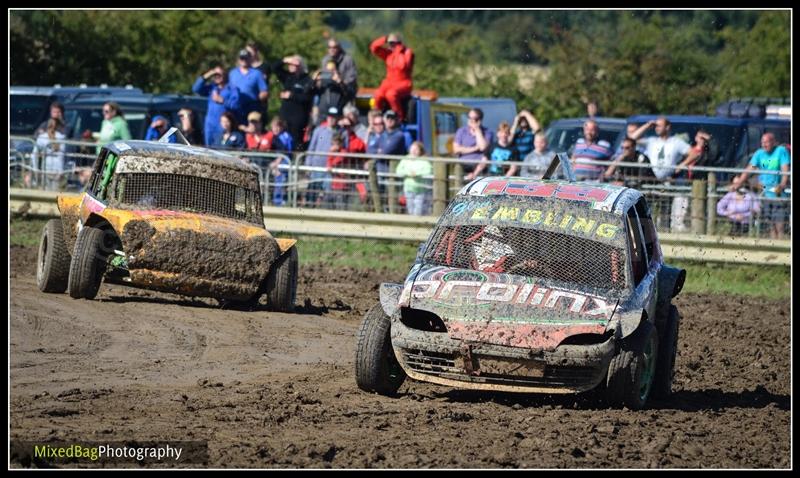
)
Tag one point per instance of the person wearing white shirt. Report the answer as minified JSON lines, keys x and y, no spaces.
{"x":50,"y":152}
{"x":665,"y":152}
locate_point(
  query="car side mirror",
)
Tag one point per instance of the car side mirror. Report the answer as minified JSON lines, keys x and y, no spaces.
{"x":177,"y":133}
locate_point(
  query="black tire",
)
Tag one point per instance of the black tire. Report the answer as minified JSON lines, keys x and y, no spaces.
{"x":282,"y":282}
{"x":88,"y":264}
{"x":377,"y":369}
{"x":630,"y":373}
{"x":52,"y":264}
{"x":667,"y":352}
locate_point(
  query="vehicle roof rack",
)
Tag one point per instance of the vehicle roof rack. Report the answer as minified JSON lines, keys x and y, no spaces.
{"x":764,"y":100}
{"x":751,"y":107}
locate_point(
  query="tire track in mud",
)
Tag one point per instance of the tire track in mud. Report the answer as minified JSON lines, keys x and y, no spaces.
{"x":277,"y":390}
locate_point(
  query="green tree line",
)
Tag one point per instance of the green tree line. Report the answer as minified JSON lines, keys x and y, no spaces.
{"x":681,"y":62}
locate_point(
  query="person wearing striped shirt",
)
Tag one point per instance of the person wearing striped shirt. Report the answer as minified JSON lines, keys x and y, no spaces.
{"x":591,"y":148}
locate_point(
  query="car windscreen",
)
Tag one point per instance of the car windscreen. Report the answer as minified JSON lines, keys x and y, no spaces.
{"x":562,"y":138}
{"x":559,"y":241}
{"x":723,"y":146}
{"x":27,"y":112}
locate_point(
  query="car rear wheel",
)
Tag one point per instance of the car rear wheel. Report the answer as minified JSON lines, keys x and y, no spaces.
{"x":377,"y":369}
{"x":88,"y":264}
{"x":52,"y":264}
{"x":282,"y":282}
{"x":631,"y":372}
{"x":667,"y":352}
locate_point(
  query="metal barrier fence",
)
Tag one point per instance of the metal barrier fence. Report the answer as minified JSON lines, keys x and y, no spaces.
{"x":369,"y":183}
{"x":402,"y":227}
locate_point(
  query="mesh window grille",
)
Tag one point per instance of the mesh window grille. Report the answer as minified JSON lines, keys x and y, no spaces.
{"x":188,"y":193}
{"x":528,"y":252}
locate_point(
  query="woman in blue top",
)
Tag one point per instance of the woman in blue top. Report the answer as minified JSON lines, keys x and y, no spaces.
{"x":231,"y":137}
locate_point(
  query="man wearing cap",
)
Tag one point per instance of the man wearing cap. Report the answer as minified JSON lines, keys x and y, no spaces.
{"x":222,"y":97}
{"x":251,"y":84}
{"x":388,"y":140}
{"x":157,"y":128}
{"x":321,"y":140}
{"x":399,"y":61}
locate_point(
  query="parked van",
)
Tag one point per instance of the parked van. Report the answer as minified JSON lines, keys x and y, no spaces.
{"x":434,"y":120}
{"x":87,"y":113}
{"x":30,"y":105}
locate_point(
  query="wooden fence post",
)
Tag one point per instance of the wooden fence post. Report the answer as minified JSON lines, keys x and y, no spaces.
{"x":373,"y":186}
{"x":439,"y":187}
{"x":458,"y":173}
{"x":391,"y":189}
{"x":711,"y":204}
{"x":698,"y":206}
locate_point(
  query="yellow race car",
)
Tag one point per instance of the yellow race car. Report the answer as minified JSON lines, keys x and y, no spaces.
{"x":168,"y":217}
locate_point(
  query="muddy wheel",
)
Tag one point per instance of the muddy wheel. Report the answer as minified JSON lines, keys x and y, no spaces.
{"x":282,"y":282}
{"x":52,"y":264}
{"x":377,"y":369}
{"x":630,"y":373}
{"x":88,"y":264}
{"x":667,"y":351}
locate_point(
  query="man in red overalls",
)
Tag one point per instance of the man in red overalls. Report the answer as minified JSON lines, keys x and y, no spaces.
{"x":399,"y":64}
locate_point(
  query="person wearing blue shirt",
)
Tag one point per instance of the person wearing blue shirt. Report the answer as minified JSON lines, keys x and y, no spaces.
{"x":499,"y":154}
{"x":393,"y":141}
{"x":251,"y":84}
{"x":770,"y":157}
{"x":157,"y":128}
{"x":375,"y":132}
{"x":231,"y":137}
{"x":222,"y":97}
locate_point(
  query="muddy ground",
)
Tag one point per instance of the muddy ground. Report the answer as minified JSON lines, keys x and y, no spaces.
{"x":277,"y":390}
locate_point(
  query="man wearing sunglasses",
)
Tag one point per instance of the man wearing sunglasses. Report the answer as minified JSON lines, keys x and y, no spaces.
{"x":630,"y":176}
{"x":346,"y":72}
{"x":397,"y":85}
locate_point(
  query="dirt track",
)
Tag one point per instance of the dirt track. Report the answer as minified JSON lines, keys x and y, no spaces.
{"x":277,"y":390}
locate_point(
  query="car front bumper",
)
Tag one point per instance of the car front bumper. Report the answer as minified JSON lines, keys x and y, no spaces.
{"x":437,"y":358}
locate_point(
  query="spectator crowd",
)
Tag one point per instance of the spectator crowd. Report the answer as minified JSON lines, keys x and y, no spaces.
{"x":318,"y":115}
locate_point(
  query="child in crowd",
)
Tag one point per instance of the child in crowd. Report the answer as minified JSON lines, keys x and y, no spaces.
{"x":739,"y":206}
{"x":416,"y":188}
{"x":339,"y":184}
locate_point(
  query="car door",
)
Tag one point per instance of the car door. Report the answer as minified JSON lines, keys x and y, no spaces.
{"x":642,"y":274}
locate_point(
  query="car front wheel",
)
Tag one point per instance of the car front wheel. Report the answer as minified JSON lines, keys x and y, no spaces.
{"x":667,"y":352}
{"x":52,"y":264}
{"x":282,"y":282}
{"x":377,"y":369}
{"x":631,"y":372}
{"x":88,"y":264}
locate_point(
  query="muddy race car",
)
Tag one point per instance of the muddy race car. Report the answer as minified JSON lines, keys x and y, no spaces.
{"x":526,"y":285}
{"x":172,"y":218}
